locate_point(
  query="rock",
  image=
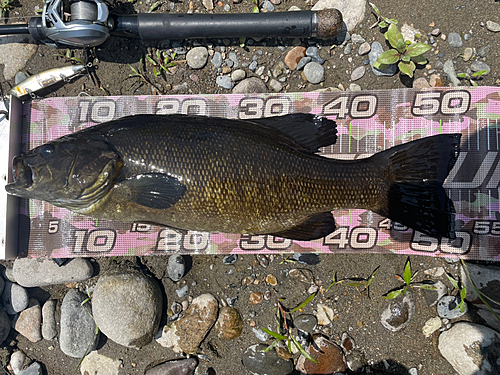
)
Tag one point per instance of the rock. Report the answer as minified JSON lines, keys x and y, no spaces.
{"x":127,"y":308}
{"x":431,"y":326}
{"x":176,"y":267}
{"x":328,"y":355}
{"x":364,"y":48}
{"x":357,"y":39}
{"x":31,"y":272}
{"x":20,"y":76}
{"x":435,"y":81}
{"x":358,"y":73}
{"x":260,"y":70}
{"x":14,"y":297}
{"x":421,"y":83}
{"x":208,"y":4}
{"x":224,"y":82}
{"x":230,"y":259}
{"x":446,"y":307}
{"x":279,"y":69}
{"x":325,"y":315}
{"x":217,"y":60}
{"x":255,"y":298}
{"x":313,"y":53}
{"x":449,"y":69}
{"x":5,"y":325}
{"x":15,"y":52}
{"x":178,"y":367}
{"x":267,"y":6}
{"x":353,"y":11}
{"x":238,"y":75}
{"x":303,"y":62}
{"x":477,"y":66}
{"x":8,"y":274}
{"x":409,"y":33}
{"x":187,"y":333}
{"x":17,"y":361}
{"x":252,"y":85}
{"x":348,"y":49}
{"x":260,"y":334}
{"x":29,"y":321}
{"x":49,"y":330}
{"x":471,"y":349}
{"x":435,"y":32}
{"x":376,"y":50}
{"x":487,"y":281}
{"x":260,"y":363}
{"x":234,"y":58}
{"x":435,"y":272}
{"x":34,"y":369}
{"x":305,"y":322}
{"x":78,"y":328}
{"x":354,"y":87}
{"x":490,"y":25}
{"x":399,"y":313}
{"x":454,"y":40}
{"x":433,"y":296}
{"x":229,"y":325}
{"x":303,"y":275}
{"x":293,"y":57}
{"x":97,"y":364}
{"x":307,"y":258}
{"x":275,"y":85}
{"x":484,"y":50}
{"x":197,"y":57}
{"x":182,"y":292}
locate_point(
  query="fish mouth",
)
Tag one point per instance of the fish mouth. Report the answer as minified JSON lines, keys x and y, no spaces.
{"x":22,"y":174}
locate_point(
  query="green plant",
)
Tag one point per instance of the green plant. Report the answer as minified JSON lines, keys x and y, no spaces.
{"x":161,"y":64}
{"x":155,"y":6}
{"x":461,"y":290}
{"x":409,"y":282}
{"x":356,"y":282}
{"x":69,"y":57}
{"x":256,"y":6}
{"x":408,"y":54}
{"x":140,"y":78}
{"x":5,"y":6}
{"x":284,"y":319}
{"x":382,"y":21}
{"x":471,"y":77}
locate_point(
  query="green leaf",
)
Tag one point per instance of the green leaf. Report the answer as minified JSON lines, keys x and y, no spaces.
{"x":420,"y":60}
{"x":150,"y":59}
{"x":354,"y":284}
{"x":393,"y":35}
{"x":388,"y":57}
{"x":155,"y":72}
{"x":154,"y":6}
{"x":425,"y":286}
{"x":133,"y":69}
{"x":461,"y":75}
{"x":407,"y":271}
{"x":275,"y":342}
{"x":463,"y":294}
{"x":407,"y":68}
{"x":392,"y":20}
{"x":375,"y":8}
{"x":276,"y":335}
{"x":417,"y":49}
{"x":256,"y":9}
{"x":453,"y":282}
{"x":393,"y":294}
{"x":158,"y":54}
{"x":401,"y":46}
{"x":405,"y":57}
{"x":372,"y":277}
{"x":304,"y":303}
{"x":383,"y":24}
{"x":302,"y":351}
{"x":480,"y":73}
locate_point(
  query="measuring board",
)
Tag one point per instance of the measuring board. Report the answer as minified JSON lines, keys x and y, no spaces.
{"x":367,"y":122}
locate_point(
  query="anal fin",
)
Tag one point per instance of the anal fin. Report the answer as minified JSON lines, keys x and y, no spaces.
{"x":313,"y":228}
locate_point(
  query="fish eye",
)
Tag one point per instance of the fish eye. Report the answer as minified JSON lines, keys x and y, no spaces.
{"x":47,"y":150}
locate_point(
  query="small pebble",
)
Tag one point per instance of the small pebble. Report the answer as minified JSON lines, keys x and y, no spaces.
{"x":435,"y":32}
{"x":307,"y":258}
{"x":252,"y":66}
{"x":271,"y":280}
{"x":260,"y":70}
{"x":303,"y":275}
{"x":255,"y":298}
{"x":454,"y":40}
{"x":313,"y":53}
{"x":197,"y":57}
{"x":14,"y":297}
{"x":238,"y":75}
{"x":182,"y":292}
{"x":34,"y":369}
{"x":354,"y":87}
{"x":477,"y":66}
{"x":493,"y":26}
{"x":217,"y":60}
{"x":303,"y":62}
{"x":267,"y":6}
{"x":49,"y":330}
{"x":275,"y":85}
{"x":466,"y":37}
{"x":364,"y":48}
{"x":176,"y":267}
{"x":260,"y":334}
{"x":446,"y":307}
{"x":224,"y":82}
{"x":420,"y":83}
{"x":17,"y":361}
{"x":230,"y":259}
{"x":348,"y":49}
{"x":483,"y":51}
{"x":358,"y":73}
{"x":467,"y":55}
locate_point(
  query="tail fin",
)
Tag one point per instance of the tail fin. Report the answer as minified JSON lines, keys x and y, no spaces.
{"x":417,"y":171}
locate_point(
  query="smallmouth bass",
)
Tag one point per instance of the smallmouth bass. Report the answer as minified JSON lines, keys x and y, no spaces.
{"x":236,"y":176}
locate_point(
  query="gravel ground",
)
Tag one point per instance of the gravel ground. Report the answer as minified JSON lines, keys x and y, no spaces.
{"x":354,"y":313}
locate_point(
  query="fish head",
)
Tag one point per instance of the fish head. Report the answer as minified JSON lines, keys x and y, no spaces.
{"x":67,"y":172}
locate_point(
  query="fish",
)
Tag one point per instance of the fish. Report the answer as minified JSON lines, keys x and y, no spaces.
{"x":37,"y":82}
{"x":261,"y":176}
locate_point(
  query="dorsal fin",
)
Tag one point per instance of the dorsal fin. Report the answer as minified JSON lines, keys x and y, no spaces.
{"x":309,"y":131}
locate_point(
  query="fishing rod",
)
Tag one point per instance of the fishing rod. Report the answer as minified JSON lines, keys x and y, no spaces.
{"x":90,"y":24}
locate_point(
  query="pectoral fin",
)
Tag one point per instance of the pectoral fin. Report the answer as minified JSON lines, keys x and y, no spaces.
{"x":153,"y":190}
{"x":316,"y":227}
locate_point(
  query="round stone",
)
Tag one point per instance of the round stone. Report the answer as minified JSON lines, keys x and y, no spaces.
{"x":224,"y":82}
{"x":176,"y":267}
{"x":305,"y":322}
{"x":358,"y":73}
{"x":197,"y":57}
{"x":252,"y":85}
{"x":454,"y":40}
{"x":127,"y":308}
{"x":447,"y":307}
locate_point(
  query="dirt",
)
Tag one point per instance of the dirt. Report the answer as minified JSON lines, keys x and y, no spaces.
{"x":354,"y":313}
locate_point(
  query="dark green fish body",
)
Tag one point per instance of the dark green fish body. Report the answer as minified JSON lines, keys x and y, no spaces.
{"x":219,"y":175}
